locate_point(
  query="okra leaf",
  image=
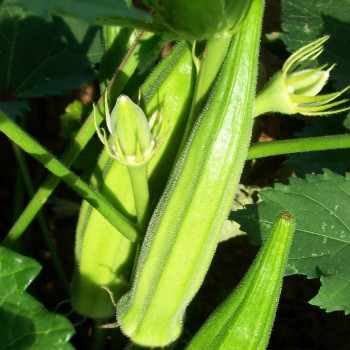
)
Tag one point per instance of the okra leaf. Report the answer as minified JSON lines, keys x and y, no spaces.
{"x":24,"y":322}
{"x":42,"y":57}
{"x":313,"y":162}
{"x":88,"y":10}
{"x":320,"y":248}
{"x":304,"y":21}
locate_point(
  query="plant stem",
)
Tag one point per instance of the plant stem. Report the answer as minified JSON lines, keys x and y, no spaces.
{"x":18,"y":197}
{"x":42,"y":223}
{"x":29,"y":145}
{"x":214,"y":55}
{"x":139,"y":182}
{"x":76,"y":146}
{"x":321,"y":143}
{"x":99,"y":336}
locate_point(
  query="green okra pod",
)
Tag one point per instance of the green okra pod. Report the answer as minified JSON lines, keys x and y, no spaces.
{"x":103,"y":256}
{"x":244,"y":320}
{"x":183,"y":232}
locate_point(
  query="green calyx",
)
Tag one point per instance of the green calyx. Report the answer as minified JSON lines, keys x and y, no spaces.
{"x":133,"y":138}
{"x":201,"y":19}
{"x":296,"y":88}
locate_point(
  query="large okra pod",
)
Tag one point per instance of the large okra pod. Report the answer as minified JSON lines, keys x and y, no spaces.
{"x":184,"y":229}
{"x":244,"y":320}
{"x":103,"y":256}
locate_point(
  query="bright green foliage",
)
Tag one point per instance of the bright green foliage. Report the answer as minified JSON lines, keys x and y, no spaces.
{"x":244,"y":320}
{"x":41,"y":57}
{"x":24,"y":322}
{"x":320,"y":247}
{"x":304,"y":21}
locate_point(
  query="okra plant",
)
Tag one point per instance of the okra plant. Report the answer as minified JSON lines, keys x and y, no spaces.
{"x":173,"y":136}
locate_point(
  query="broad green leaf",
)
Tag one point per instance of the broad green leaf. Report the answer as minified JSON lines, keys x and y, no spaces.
{"x":89,"y":10}
{"x":41,"y":57}
{"x":313,"y":162}
{"x":24,"y":322}
{"x":304,"y":21}
{"x":321,"y":246}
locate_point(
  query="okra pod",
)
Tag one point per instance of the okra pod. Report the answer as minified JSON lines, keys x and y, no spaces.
{"x":183,"y":232}
{"x":103,"y":256}
{"x":244,"y":320}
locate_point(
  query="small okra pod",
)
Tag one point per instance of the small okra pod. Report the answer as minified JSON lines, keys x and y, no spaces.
{"x":244,"y":320}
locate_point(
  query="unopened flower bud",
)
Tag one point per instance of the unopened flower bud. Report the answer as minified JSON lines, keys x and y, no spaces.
{"x":131,"y":139}
{"x":295,"y":88}
{"x":132,"y":129}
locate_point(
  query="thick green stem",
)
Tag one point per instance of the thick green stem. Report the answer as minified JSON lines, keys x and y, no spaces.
{"x":213,"y":56}
{"x":29,"y":145}
{"x":275,"y":148}
{"x":81,"y":139}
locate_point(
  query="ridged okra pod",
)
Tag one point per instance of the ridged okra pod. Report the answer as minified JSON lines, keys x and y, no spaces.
{"x":244,"y":320}
{"x":183,"y":232}
{"x":104,"y":257}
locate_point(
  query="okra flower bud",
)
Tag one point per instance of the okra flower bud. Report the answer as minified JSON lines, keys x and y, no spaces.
{"x":295,"y":88}
{"x":133,"y":138}
{"x":201,"y":19}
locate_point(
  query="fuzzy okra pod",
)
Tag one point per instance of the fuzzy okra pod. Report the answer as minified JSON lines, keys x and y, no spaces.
{"x":244,"y":320}
{"x":183,"y":232}
{"x":104,"y":257}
